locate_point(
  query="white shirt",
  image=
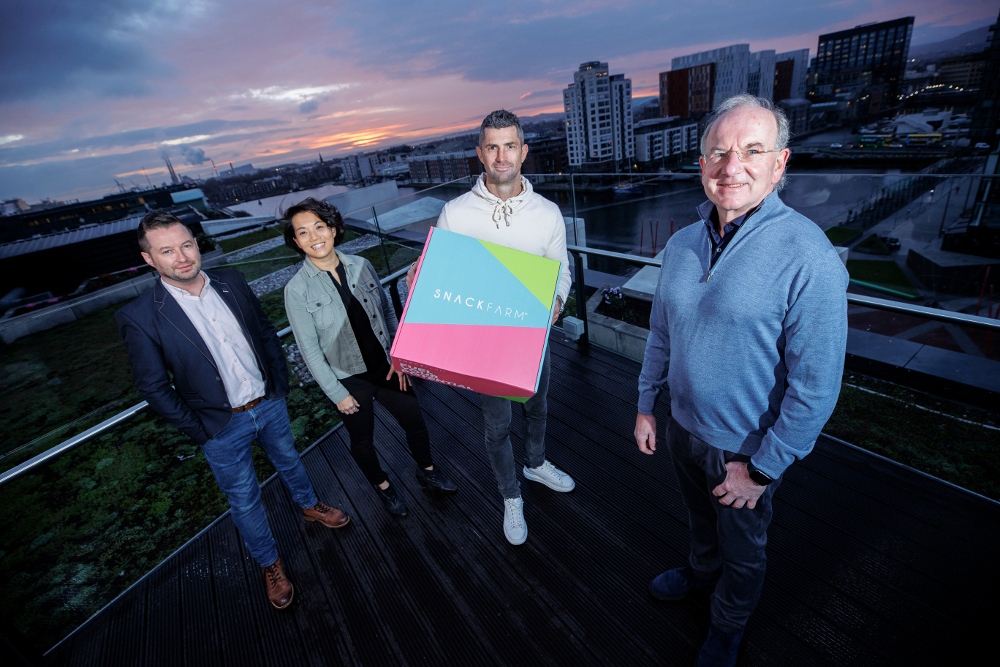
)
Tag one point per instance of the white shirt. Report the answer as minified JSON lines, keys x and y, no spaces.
{"x":217,"y":325}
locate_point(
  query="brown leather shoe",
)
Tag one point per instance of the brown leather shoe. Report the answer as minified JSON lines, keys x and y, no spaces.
{"x":331,"y":517}
{"x":279,"y":588}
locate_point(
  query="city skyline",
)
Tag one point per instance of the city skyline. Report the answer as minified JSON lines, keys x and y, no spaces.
{"x":101,"y":92}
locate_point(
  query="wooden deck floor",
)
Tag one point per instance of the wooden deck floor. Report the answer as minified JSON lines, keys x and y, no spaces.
{"x":869,"y":562}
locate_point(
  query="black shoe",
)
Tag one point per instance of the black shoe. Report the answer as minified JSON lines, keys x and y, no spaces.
{"x":720,"y":648}
{"x":675,"y":584}
{"x":435,"y":481}
{"x":393,"y":504}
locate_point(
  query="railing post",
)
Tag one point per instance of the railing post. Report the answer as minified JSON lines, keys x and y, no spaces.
{"x":572,"y":195}
{"x":580,"y":285}
{"x":397,"y":303}
{"x":381,"y":241}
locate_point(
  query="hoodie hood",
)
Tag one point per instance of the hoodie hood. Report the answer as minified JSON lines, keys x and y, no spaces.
{"x":503,"y":210}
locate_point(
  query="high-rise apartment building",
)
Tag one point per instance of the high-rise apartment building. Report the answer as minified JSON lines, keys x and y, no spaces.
{"x":598,"y":116}
{"x":732,"y":68}
{"x":790,"y":69}
{"x":871,"y":56}
{"x":760,"y":74}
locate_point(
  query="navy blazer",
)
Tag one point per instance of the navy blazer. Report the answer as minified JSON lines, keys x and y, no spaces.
{"x":162,"y":342}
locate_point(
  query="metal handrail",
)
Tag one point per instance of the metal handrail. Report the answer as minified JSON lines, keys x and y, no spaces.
{"x":937,"y":314}
{"x":128,"y":413}
{"x":577,"y":252}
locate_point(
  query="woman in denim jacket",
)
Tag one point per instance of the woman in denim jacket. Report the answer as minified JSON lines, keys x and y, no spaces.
{"x":344,"y":324}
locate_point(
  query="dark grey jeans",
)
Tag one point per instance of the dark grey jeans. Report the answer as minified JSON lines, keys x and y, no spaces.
{"x":722,"y":537}
{"x":496,"y":416}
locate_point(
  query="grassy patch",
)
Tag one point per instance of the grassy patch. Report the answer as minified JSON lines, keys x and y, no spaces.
{"x":841,"y":235}
{"x":266,"y":262}
{"x":246,"y":240}
{"x":892,"y":425}
{"x":881,"y":273}
{"x":399,"y":256}
{"x":57,"y":376}
{"x":85,"y":527}
{"x":873,"y":245}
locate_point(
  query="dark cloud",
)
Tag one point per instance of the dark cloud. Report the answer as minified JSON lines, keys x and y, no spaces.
{"x":219,"y":131}
{"x":193,"y":156}
{"x":66,"y":45}
{"x":308,"y":106}
{"x":544,"y":40}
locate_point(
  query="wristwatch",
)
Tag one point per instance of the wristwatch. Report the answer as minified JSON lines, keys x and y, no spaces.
{"x":757,"y":475}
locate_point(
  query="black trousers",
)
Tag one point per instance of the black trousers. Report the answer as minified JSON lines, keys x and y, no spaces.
{"x":403,"y":406}
{"x":722,"y":538}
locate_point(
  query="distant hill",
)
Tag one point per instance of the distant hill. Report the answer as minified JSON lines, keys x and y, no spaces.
{"x":543,"y":118}
{"x":972,"y":41}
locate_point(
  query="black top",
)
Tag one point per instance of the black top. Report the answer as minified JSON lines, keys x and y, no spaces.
{"x":372,"y":351}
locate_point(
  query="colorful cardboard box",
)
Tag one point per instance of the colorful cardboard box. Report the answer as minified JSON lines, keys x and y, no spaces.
{"x":477,"y":316}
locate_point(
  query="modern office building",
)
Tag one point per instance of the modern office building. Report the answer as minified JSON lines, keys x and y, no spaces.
{"x":760,"y":74}
{"x":357,"y":168}
{"x":665,"y":138}
{"x":790,"y":70}
{"x":732,"y":68}
{"x":598,"y":117}
{"x":871,"y":57}
{"x":985,"y":126}
{"x":964,"y":71}
{"x":797,"y":110}
{"x":687,"y":92}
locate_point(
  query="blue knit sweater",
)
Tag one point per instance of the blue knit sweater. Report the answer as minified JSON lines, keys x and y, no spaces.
{"x":752,"y":350}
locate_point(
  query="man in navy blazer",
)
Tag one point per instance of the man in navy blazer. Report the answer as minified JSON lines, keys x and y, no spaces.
{"x":205,"y":331}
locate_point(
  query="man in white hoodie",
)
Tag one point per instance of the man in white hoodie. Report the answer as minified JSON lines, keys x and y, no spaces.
{"x":503,"y":208}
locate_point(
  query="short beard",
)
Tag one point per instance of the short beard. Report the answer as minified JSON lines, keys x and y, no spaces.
{"x":515,"y":177}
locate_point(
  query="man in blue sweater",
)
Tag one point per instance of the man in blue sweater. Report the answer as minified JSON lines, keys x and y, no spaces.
{"x":748,"y":332}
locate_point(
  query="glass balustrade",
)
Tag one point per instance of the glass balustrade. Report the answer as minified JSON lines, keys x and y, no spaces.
{"x":81,"y":528}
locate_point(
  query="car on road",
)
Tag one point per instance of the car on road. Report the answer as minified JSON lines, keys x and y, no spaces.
{"x":836,"y":145}
{"x":982,"y":145}
{"x":891,"y":242}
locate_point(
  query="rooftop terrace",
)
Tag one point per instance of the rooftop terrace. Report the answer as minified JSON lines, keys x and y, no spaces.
{"x":870,"y":562}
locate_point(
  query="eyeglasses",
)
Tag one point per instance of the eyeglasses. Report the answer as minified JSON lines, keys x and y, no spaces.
{"x":749,"y":155}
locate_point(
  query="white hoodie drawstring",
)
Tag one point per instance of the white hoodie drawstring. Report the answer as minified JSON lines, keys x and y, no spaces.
{"x":502,"y":209}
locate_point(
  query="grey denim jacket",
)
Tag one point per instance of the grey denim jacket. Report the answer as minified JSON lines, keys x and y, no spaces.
{"x":322,"y":329}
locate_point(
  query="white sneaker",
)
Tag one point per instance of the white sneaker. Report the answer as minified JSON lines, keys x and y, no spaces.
{"x":550,"y":476}
{"x":514,"y":527}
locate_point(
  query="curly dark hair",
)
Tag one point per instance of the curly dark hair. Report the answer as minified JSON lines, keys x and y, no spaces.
{"x":325,"y":212}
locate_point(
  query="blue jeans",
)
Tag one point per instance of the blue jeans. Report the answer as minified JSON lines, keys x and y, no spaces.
{"x":228,"y":455}
{"x":496,"y":416}
{"x":722,"y":538}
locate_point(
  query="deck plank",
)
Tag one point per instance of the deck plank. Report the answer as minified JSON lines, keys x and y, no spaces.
{"x":869,"y":562}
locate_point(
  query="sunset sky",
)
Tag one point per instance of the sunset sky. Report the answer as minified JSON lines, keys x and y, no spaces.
{"x":97,"y":90}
